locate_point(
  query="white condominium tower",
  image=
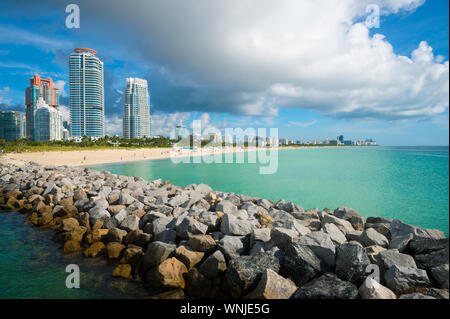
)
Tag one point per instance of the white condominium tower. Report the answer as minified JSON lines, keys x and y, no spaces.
{"x":136,"y":111}
{"x":87,"y":102}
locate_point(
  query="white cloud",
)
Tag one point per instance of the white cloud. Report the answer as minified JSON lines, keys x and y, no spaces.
{"x":259,"y":56}
{"x":302,"y":124}
{"x":60,"y":84}
{"x":65,"y":112}
{"x":113,"y":125}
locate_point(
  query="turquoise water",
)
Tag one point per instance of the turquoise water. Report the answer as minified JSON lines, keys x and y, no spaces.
{"x":33,"y":266}
{"x":407,"y":183}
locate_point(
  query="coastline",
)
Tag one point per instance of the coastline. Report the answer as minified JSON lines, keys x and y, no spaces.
{"x":109,"y":156}
{"x":197,"y":242}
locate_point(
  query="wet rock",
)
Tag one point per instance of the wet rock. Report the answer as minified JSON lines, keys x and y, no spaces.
{"x":401,"y":279}
{"x":372,"y":289}
{"x":69,"y":224}
{"x":243,"y":273}
{"x":301,"y":263}
{"x":71,"y":246}
{"x":214,"y":265}
{"x":95,"y":249}
{"x":351,"y":262}
{"x":327,"y":286}
{"x":131,"y":255}
{"x":123,"y":270}
{"x":116,"y":235}
{"x":371,"y":237}
{"x":273,"y":286}
{"x":113,"y":250}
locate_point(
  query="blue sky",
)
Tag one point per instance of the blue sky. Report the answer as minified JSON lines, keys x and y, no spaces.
{"x":313,"y":72}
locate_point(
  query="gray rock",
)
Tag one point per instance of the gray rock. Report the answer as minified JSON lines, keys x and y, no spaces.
{"x":441,"y":275}
{"x":343,"y":225}
{"x":388,"y":258}
{"x":336,"y":235}
{"x":354,"y":235}
{"x":125,"y":199}
{"x":401,"y":279}
{"x":232,"y":246}
{"x":272,"y":286}
{"x":370,"y":237}
{"x":214,"y":265}
{"x":327,"y":286}
{"x":131,"y":222}
{"x":432,"y":259}
{"x":400,"y":242}
{"x":210,"y":219}
{"x":101,"y":203}
{"x":167,"y":236}
{"x":322,"y":245}
{"x":156,"y":253}
{"x":190,"y":226}
{"x":438,"y":293}
{"x":282,"y":237}
{"x":160,"y":224}
{"x":243,"y":273}
{"x":398,"y":228}
{"x":257,"y":247}
{"x":230,"y":225}
{"x":115,"y":235}
{"x":120,"y":216}
{"x":178,"y":200}
{"x":345,"y":213}
{"x":427,"y":245}
{"x":301,"y":263}
{"x":260,"y":234}
{"x":416,"y":295}
{"x":266,"y":204}
{"x":295,"y":225}
{"x":226,"y":207}
{"x":372,"y":289}
{"x":98,"y":214}
{"x":351,"y":261}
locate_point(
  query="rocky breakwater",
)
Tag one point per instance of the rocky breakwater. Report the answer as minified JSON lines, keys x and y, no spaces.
{"x":200,"y":243}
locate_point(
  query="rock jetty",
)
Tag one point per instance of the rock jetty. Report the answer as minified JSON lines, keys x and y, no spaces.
{"x":195,"y":242}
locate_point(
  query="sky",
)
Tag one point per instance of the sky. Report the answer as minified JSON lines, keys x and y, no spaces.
{"x":312,"y":69}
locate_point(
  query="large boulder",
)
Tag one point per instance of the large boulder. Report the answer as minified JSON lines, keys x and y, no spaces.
{"x":188,"y":256}
{"x":370,"y":237}
{"x":243,"y":273}
{"x":432,"y":259}
{"x":301,"y":264}
{"x":233,"y":246}
{"x":131,"y":222}
{"x":322,"y":245}
{"x":95,"y":249}
{"x":388,"y":258}
{"x":336,"y":235}
{"x":190,"y":226}
{"x":351,"y":262}
{"x":156,"y":253}
{"x":343,"y":225}
{"x":327,"y":286}
{"x":401,"y":279}
{"x":168,"y":275}
{"x":204,"y":243}
{"x":231,"y":225}
{"x":273,"y":286}
{"x":132,"y":255}
{"x":197,"y":285}
{"x":214,"y":265}
{"x":441,"y":275}
{"x":372,"y":289}
{"x":400,"y":242}
{"x":282,"y":237}
{"x":113,"y":250}
{"x":116,"y":235}
{"x":399,"y":228}
{"x":226,"y":207}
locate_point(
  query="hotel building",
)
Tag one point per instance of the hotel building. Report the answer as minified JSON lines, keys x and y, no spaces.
{"x":47,"y":122}
{"x":136,"y":112}
{"x":87,"y":109}
{"x":39,"y":89}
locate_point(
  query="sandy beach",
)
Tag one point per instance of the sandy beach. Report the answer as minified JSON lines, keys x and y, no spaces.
{"x":97,"y":157}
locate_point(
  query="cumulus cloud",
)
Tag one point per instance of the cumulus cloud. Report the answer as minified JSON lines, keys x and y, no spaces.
{"x":256,"y":57}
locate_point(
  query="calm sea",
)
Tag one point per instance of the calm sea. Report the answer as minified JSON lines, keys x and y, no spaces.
{"x":408,"y":183}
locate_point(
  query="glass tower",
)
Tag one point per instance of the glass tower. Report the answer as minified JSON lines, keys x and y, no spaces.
{"x":87,"y":106}
{"x":12,"y":125}
{"x":136,"y":112}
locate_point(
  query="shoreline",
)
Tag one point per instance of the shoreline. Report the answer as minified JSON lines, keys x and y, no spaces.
{"x":81,"y":158}
{"x":197,"y":242}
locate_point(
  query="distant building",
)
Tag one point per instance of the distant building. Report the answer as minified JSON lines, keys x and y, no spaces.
{"x":349,"y":143}
{"x":48,"y":124}
{"x":136,"y":112}
{"x":87,"y":101}
{"x":12,"y":125}
{"x":39,"y":89}
{"x":65,"y":134}
{"x":181,"y":132}
{"x":326,"y":141}
{"x":334,"y":142}
{"x":341,"y":139}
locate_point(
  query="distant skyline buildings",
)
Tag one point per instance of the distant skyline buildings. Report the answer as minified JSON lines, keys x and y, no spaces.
{"x":136,"y":112}
{"x":87,"y":101}
{"x":48,"y":122}
{"x":39,"y":89}
{"x":12,"y":125}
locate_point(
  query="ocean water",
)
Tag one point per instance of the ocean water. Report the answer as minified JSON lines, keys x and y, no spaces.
{"x":33,"y":266}
{"x":406,"y":183}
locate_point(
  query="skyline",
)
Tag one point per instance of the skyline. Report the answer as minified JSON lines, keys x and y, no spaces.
{"x":275,"y":95}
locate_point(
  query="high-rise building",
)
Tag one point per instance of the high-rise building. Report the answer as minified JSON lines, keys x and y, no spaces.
{"x":87,"y":105}
{"x":12,"y":125}
{"x":39,"y":89}
{"x":136,"y":111}
{"x":47,"y":122}
{"x":181,"y":132}
{"x":341,"y":139}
